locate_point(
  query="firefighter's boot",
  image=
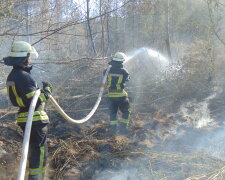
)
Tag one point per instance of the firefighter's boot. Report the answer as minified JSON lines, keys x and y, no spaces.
{"x":112,"y":130}
{"x":36,"y":177}
{"x":123,"y":129}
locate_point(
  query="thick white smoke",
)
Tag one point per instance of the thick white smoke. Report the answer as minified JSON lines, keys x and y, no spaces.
{"x":198,"y":112}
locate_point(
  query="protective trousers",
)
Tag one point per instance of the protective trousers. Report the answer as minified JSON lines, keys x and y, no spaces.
{"x":38,"y":151}
{"x":122,"y":104}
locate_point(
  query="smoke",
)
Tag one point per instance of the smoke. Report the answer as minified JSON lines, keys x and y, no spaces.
{"x":212,"y":143}
{"x":138,"y":169}
{"x":2,"y":150}
{"x":118,"y":175}
{"x":198,"y":112}
{"x":200,"y":131}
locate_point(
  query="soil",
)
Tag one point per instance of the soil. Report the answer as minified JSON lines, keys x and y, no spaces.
{"x":158,"y":146}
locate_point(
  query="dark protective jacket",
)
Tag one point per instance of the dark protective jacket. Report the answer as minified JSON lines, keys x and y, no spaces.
{"x":116,"y":80}
{"x":21,"y":88}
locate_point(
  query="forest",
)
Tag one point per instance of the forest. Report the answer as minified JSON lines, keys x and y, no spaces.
{"x":176,"y":52}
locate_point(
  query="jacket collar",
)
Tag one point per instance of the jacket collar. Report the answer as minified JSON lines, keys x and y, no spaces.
{"x":22,"y":67}
{"x":116,"y":64}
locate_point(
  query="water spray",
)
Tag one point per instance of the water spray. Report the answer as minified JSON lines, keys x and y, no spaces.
{"x":163,"y":61}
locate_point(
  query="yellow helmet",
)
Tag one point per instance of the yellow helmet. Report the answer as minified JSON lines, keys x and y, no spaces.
{"x":21,"y":49}
{"x":120,"y":57}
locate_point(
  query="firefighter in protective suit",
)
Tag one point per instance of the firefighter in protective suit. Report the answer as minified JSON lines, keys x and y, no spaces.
{"x":117,"y":96}
{"x":21,"y":88}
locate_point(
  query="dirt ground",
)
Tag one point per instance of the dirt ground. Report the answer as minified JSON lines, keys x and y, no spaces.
{"x":158,"y":146}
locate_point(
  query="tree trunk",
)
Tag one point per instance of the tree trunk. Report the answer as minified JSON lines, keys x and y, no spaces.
{"x":167,"y":30}
{"x":89,"y":30}
{"x":102,"y":29}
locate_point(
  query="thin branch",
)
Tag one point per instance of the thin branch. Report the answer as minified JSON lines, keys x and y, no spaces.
{"x":76,"y":23}
{"x":71,"y":61}
{"x":67,"y":62}
{"x":213,"y":24}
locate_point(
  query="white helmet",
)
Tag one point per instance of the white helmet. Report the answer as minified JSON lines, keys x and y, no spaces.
{"x":120,"y":57}
{"x":21,"y":49}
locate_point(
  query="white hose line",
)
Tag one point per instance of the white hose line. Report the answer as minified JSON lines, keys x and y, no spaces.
{"x":60,"y":110}
{"x":26,"y":137}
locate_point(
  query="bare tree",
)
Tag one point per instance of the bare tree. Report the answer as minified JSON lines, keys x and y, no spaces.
{"x":91,"y":41}
{"x":168,"y":30}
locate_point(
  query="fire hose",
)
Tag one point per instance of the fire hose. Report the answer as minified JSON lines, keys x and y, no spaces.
{"x":86,"y":118}
{"x":26,"y":138}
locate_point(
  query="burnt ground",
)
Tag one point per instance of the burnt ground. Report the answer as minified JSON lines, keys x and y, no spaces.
{"x":159,"y":146}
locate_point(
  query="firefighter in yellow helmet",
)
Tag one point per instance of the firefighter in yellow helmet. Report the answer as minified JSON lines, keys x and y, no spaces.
{"x":21,"y":88}
{"x":117,"y":96}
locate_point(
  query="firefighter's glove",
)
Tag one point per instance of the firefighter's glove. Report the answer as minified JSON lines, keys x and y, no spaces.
{"x":47,"y":88}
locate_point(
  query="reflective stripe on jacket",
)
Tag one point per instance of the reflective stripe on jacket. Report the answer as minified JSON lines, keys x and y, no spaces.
{"x":116,"y":80}
{"x":38,"y":116}
{"x":117,"y":94}
{"x":21,"y":88}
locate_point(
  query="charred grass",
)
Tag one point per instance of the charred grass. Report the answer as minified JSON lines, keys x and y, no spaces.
{"x":151,"y":151}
